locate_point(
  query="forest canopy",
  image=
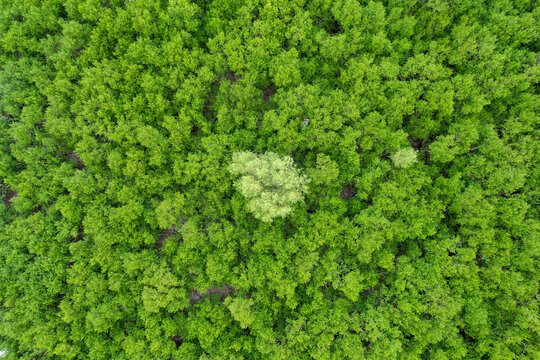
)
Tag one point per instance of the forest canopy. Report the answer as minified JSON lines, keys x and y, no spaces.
{"x":124,"y":234}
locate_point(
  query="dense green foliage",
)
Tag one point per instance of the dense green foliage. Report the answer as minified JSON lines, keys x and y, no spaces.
{"x":119,"y":120}
{"x":270,"y":184}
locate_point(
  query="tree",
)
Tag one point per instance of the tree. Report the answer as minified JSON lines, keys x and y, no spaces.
{"x":270,"y":184}
{"x":404,"y":158}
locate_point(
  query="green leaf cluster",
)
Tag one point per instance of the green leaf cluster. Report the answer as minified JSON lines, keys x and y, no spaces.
{"x":404,"y":158}
{"x":270,"y":184}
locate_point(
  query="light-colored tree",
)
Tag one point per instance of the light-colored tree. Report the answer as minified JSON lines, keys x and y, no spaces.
{"x":270,"y":183}
{"x":404,"y":158}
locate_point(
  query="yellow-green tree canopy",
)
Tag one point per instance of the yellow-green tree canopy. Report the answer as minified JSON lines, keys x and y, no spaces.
{"x":271,"y":184}
{"x":404,"y":158}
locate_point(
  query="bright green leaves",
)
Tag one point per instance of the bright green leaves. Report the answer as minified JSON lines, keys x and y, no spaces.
{"x":443,"y":150}
{"x":374,"y":231}
{"x":352,"y":285}
{"x":162,"y":292}
{"x":102,"y":317}
{"x":151,"y":139}
{"x":270,"y":184}
{"x":285,"y":69}
{"x":327,"y":171}
{"x":183,"y":15}
{"x":241,"y":311}
{"x":170,"y":210}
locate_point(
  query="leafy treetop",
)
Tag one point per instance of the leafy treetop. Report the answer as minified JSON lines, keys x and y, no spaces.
{"x":271,"y":184}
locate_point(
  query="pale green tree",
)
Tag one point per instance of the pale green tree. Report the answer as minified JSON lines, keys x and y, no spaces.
{"x":405,"y":157}
{"x":270,"y":183}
